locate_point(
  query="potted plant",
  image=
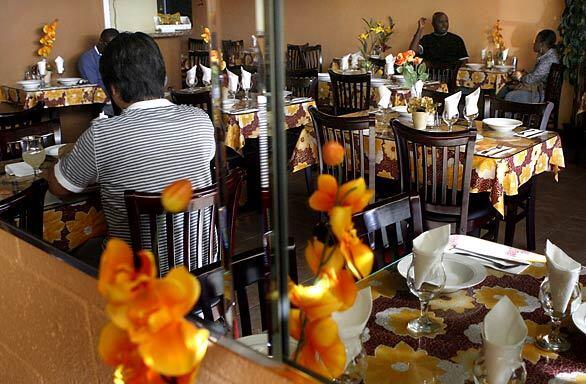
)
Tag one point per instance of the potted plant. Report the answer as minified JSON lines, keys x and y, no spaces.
{"x":373,"y":41}
{"x":420,"y":108}
{"x":413,"y":70}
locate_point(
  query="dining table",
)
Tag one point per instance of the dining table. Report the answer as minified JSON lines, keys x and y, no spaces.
{"x":498,"y":173}
{"x":54,"y":95}
{"x":490,"y":79}
{"x":395,"y":355}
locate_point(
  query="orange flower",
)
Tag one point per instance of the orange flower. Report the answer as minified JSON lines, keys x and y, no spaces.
{"x":343,"y":287}
{"x":176,"y":196}
{"x":316,"y":301}
{"x":417,"y":60}
{"x":333,"y":153}
{"x":409,"y":55}
{"x":323,"y":351}
{"x":320,"y":259}
{"x":352,"y":194}
{"x":206,"y":35}
{"x":400,"y":59}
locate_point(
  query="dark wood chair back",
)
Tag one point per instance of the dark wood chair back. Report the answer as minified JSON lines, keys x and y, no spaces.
{"x":295,"y":56}
{"x":397,"y":218}
{"x":437,"y":97}
{"x":553,"y":90}
{"x":231,"y":50}
{"x":10,"y":144}
{"x":533,"y":115}
{"x":199,"y":57}
{"x":437,"y":176}
{"x":197,"y":45}
{"x":302,"y":82}
{"x":22,"y":118}
{"x":351,"y":92}
{"x":445,"y":73}
{"x":197,"y":99}
{"x":312,"y":55}
{"x":25,"y":209}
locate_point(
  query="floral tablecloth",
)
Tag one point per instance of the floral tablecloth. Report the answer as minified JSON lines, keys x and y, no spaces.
{"x":485,"y":79}
{"x":55,"y":97}
{"x":394,"y":356}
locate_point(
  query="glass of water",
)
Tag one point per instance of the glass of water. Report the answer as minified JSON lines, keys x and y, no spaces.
{"x":33,"y":152}
{"x":470,"y":117}
{"x":450,"y":119}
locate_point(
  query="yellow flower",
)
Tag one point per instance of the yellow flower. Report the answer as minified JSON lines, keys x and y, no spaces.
{"x":352,"y":194}
{"x":402,"y":364}
{"x":541,"y":165}
{"x":381,"y":283}
{"x":206,"y":35}
{"x":331,"y":257}
{"x":363,"y":36}
{"x":519,"y":158}
{"x":511,"y":184}
{"x":377,"y":29}
{"x":52,"y":225}
{"x":530,"y":351}
{"x":526,"y":174}
{"x":85,"y":226}
{"x":396,"y":319}
{"x":489,"y":296}
{"x":316,"y":301}
{"x":176,"y":196}
{"x":457,"y":301}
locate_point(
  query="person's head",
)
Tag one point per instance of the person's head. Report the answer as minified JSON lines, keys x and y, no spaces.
{"x":440,"y":23}
{"x":132,"y":69}
{"x":544,"y":40}
{"x":106,"y":36}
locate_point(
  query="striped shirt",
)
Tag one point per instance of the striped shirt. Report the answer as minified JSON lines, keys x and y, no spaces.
{"x":150,"y":145}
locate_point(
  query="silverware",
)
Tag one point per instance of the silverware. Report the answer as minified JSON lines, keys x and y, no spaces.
{"x":488,"y":150}
{"x":491,"y":256}
{"x":505,"y":149}
{"x":492,"y":262}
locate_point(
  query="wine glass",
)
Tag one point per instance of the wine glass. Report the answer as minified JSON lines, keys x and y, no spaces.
{"x":431,"y":287}
{"x":232,"y":93}
{"x":555,"y":341}
{"x":470,"y":117}
{"x":450,"y":119}
{"x":32,"y":152}
{"x":191,"y":82}
{"x":246,"y":89}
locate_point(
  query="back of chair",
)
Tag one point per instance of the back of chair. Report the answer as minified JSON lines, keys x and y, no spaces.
{"x":313,"y":57}
{"x":436,"y":165}
{"x":231,"y":49}
{"x":197,"y":45}
{"x":197,"y":99}
{"x":351,"y":92}
{"x":295,"y":57}
{"x":437,"y":97}
{"x":446,"y":73}
{"x":302,"y":82}
{"x":22,"y":118}
{"x":25,"y":209}
{"x":533,"y":115}
{"x":10,"y":145}
{"x":553,"y":89}
{"x":199,"y":57}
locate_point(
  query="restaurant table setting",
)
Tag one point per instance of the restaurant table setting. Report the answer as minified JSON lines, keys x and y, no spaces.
{"x":65,"y":92}
{"x":473,"y":328}
{"x":477,"y":75}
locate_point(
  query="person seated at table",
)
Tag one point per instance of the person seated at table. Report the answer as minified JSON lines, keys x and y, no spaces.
{"x":152,"y":143}
{"x":440,"y":46}
{"x":529,"y":87}
{"x":89,"y":62}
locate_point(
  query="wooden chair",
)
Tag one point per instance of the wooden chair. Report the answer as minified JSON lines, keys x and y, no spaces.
{"x":398,"y":217}
{"x":430,"y":175}
{"x":445,"y":73}
{"x":553,"y":90}
{"x":22,"y":118}
{"x":302,"y":82}
{"x":437,"y":97}
{"x":10,"y":145}
{"x":312,"y":55}
{"x":295,"y":57}
{"x":25,"y":209}
{"x":197,"y":44}
{"x":231,"y":49}
{"x":197,"y":99}
{"x":533,"y":115}
{"x":351,"y":92}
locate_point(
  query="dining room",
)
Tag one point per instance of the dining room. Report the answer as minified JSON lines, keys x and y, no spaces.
{"x":229,"y":191}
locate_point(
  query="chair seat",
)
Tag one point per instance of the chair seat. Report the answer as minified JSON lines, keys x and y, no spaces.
{"x":479,"y":208}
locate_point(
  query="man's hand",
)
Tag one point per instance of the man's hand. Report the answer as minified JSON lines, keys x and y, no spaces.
{"x":517,"y":75}
{"x":421,"y":23}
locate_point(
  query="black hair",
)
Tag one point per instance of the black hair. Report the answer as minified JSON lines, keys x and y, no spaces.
{"x":547,"y":37}
{"x":132,"y":63}
{"x":109,"y":34}
{"x":437,"y":15}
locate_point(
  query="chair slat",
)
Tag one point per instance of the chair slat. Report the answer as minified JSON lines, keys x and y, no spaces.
{"x":170,"y":243}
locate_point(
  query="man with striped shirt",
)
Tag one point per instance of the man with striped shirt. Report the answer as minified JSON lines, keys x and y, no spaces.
{"x":151,"y":144}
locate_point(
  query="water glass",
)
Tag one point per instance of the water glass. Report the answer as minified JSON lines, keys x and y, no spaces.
{"x":430,"y":288}
{"x":191,"y":82}
{"x":518,"y":371}
{"x":33,"y":152}
{"x":450,"y":120}
{"x":555,"y":341}
{"x":470,"y":117}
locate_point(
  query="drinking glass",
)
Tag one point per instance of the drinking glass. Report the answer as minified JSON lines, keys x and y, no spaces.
{"x":450,"y":120}
{"x":470,"y":117}
{"x":430,"y":288}
{"x":513,"y":362}
{"x":555,"y":341}
{"x":191,"y":82}
{"x":232,"y":94}
{"x":32,"y":152}
{"x":246,"y":91}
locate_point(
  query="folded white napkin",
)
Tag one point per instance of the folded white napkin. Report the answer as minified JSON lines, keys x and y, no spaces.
{"x":207,"y":74}
{"x":563,"y":273}
{"x":42,"y":67}
{"x":390,"y":64}
{"x":504,"y":334}
{"x":385,"y":96}
{"x":472,"y":102}
{"x":190,"y":76}
{"x":19,"y":169}
{"x":232,"y":81}
{"x":355,"y":57}
{"x":246,"y":78}
{"x":428,"y":249}
{"x":254,"y":43}
{"x":59,"y":64}
{"x":483,"y":54}
{"x":417,"y":88}
{"x":505,"y":54}
{"x":344,"y":65}
{"x":53,"y":150}
{"x":451,"y":103}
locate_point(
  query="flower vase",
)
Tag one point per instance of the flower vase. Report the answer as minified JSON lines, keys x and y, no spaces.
{"x":420,"y":119}
{"x":47,"y":78}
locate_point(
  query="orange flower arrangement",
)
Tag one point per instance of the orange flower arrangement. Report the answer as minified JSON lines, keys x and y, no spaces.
{"x":412,"y":67}
{"x":206,"y":35}
{"x":47,"y":40}
{"x":497,"y":35}
{"x":335,"y":260}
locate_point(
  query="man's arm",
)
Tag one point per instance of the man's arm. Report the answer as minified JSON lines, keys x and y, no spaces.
{"x":462,"y":52}
{"x":89,"y":71}
{"x":54,"y":187}
{"x":417,"y":37}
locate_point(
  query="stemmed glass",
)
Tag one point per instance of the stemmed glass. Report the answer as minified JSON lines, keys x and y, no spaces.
{"x":430,"y":288}
{"x":42,"y":69}
{"x":33,"y":152}
{"x":191,"y":82}
{"x":232,"y":93}
{"x":246,"y":90}
{"x":470,"y":117}
{"x":450,"y":119}
{"x":555,"y":341}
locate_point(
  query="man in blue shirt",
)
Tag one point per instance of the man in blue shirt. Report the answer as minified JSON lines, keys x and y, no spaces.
{"x":89,"y":62}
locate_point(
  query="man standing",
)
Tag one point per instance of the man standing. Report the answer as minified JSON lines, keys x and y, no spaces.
{"x":89,"y":62}
{"x":440,"y":46}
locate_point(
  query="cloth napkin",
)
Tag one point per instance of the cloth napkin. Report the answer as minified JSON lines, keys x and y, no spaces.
{"x":505,"y":54}
{"x":246,"y":78}
{"x":344,"y":65}
{"x":355,"y":57}
{"x":418,"y":88}
{"x":451,"y":103}
{"x":42,"y":67}
{"x":232,"y":82}
{"x":190,"y":76}
{"x":59,"y":64}
{"x":563,"y":273}
{"x":207,"y":74}
{"x":483,"y":54}
{"x":472,"y":102}
{"x":385,"y":96}
{"x":504,"y":334}
{"x":19,"y":169}
{"x":390,"y":64}
{"x":428,"y":249}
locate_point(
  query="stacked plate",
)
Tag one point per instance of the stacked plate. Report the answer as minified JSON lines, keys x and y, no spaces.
{"x":500,"y":124}
{"x":69,"y":81}
{"x":474,"y":66}
{"x":29,"y":85}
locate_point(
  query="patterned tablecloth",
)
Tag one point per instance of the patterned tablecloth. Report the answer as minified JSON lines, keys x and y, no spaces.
{"x":394,"y":356}
{"x":58,"y":96}
{"x":484,"y":78}
{"x":499,"y":175}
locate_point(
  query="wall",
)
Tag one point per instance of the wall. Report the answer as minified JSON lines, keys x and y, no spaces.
{"x":79,"y":28}
{"x":133,"y":15}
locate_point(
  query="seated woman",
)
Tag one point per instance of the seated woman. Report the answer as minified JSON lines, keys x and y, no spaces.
{"x":529,"y":87}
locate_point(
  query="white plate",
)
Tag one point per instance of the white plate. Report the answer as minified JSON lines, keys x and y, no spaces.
{"x":579,"y":317}
{"x":503,"y":68}
{"x":29,"y":85}
{"x":375,"y":82}
{"x":53,"y":150}
{"x":501,"y":124}
{"x":69,"y":80}
{"x":401,"y":110}
{"x":475,"y":66}
{"x":259,"y":343}
{"x":461,"y":272}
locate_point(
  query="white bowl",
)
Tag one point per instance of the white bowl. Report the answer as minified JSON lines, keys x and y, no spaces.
{"x":503,"y":68}
{"x":398,"y":79}
{"x":401,"y":110}
{"x":475,"y":66}
{"x":500,"y":124}
{"x":29,"y":85}
{"x":69,"y":80}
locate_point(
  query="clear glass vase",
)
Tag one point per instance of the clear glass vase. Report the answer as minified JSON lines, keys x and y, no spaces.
{"x":356,"y":369}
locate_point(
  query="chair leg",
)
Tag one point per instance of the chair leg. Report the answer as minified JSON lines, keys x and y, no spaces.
{"x":511,"y":222}
{"x":530,"y":219}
